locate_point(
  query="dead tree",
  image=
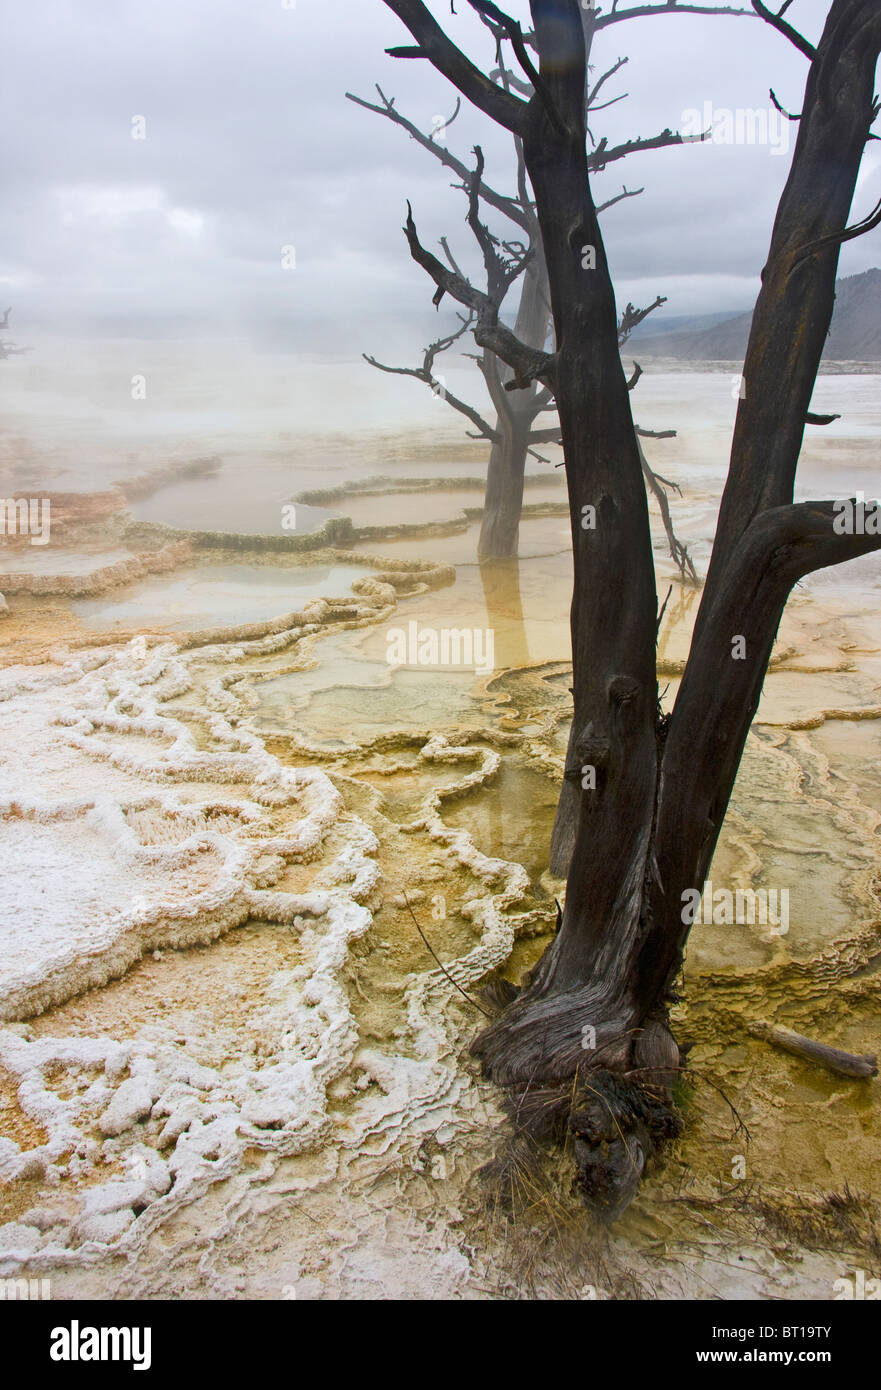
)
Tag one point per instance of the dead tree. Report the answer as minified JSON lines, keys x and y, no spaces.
{"x":8,"y":349}
{"x":585,"y":1045}
{"x":514,"y":436}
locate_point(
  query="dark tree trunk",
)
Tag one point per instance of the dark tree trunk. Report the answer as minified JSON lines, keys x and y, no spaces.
{"x":503,"y":501}
{"x":568,"y":812}
{"x":614,"y":740}
{"x":586,"y":1043}
{"x":644,"y":827}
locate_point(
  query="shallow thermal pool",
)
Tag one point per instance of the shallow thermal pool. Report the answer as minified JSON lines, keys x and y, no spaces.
{"x":219,"y":595}
{"x":337,"y":715}
{"x":191,"y":506}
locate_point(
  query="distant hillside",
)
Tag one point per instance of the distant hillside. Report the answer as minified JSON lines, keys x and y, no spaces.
{"x":855,"y":334}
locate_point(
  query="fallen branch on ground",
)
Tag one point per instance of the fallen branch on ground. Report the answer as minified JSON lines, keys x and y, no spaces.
{"x":844,"y":1063}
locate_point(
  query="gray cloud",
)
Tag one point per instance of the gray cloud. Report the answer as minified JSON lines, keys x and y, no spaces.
{"x":251,"y":146}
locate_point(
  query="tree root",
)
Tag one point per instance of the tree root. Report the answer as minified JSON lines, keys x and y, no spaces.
{"x":611,"y":1101}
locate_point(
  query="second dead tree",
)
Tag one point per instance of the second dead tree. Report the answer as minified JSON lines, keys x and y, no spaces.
{"x":516,"y":434}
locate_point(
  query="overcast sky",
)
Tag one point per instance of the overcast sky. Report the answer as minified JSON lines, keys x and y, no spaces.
{"x":251,"y":146}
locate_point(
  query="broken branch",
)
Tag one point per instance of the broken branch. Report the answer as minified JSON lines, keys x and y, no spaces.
{"x":860,"y":1066}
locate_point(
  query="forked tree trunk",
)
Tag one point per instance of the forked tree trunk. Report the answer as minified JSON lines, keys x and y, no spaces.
{"x":596,"y":1006}
{"x":579,"y":984}
{"x":586,"y":1043}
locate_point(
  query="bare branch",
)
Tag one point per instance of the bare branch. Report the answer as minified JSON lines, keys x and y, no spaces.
{"x":836,"y":238}
{"x":485,"y":430}
{"x":670,"y":7}
{"x":512,"y":80}
{"x":782,"y":109}
{"x":619,"y":198}
{"x":631,"y":318}
{"x":509,"y":111}
{"x":500,"y":274}
{"x":528,"y":363}
{"x":426,"y":373}
{"x":634,"y":378}
{"x":678,"y":550}
{"x":778,"y":22}
{"x":860,"y":1065}
{"x":449,"y":121}
{"x":499,"y":201}
{"x":603,"y":155}
{"x":451,"y":258}
{"x":513,"y":31}
{"x":611,"y":102}
{"x":597,"y":87}
{"x":801,"y":538}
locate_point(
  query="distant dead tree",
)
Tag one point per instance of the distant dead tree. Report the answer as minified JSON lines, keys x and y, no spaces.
{"x":515,"y":434}
{"x":8,"y":349}
{"x":585,"y":1045}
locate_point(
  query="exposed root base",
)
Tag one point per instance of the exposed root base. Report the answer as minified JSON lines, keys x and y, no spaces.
{"x":617,"y":1127}
{"x":611,"y":1103}
{"x":612,"y":1127}
{"x":544,"y":1038}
